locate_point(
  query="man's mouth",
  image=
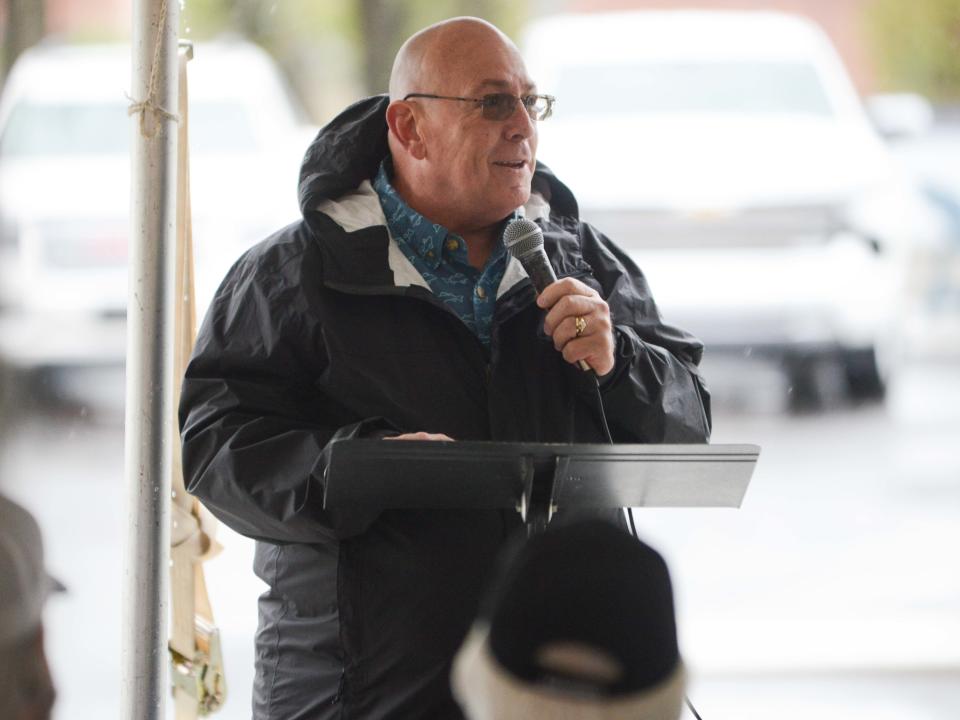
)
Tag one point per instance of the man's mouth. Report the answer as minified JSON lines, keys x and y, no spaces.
{"x":514,"y":164}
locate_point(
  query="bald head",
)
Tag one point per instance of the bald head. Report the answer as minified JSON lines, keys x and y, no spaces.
{"x":452,"y":162}
{"x":432,"y":53}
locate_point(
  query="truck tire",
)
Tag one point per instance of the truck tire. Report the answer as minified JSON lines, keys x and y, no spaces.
{"x":866,"y":380}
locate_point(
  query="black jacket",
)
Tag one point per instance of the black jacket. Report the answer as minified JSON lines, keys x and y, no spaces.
{"x":322,"y":331}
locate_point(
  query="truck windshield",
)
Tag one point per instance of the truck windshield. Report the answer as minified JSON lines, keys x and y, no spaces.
{"x":692,"y":87}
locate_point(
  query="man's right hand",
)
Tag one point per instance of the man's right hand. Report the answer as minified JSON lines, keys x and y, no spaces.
{"x":421,"y":436}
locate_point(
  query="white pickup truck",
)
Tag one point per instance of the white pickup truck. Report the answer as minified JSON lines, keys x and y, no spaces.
{"x":65,"y":138}
{"x":729,"y":154}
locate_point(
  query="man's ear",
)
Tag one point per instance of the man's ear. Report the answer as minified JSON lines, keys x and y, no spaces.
{"x":404,"y":123}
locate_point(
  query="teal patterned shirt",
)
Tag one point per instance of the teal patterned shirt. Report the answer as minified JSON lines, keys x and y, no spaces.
{"x":440,"y":256}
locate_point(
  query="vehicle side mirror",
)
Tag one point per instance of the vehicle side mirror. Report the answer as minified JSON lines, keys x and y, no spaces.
{"x":898,"y":116}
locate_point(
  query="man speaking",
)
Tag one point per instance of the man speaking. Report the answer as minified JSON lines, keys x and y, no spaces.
{"x":391,"y":309}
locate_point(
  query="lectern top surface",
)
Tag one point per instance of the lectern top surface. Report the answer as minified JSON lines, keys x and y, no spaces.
{"x":472,"y":474}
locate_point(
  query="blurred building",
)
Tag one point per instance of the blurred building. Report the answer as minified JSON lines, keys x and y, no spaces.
{"x":24,"y":23}
{"x":103,"y":18}
{"x":841,"y":19}
{"x":85,"y":18}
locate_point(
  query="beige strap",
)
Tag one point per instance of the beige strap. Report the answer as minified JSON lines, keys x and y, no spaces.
{"x":199,"y":687}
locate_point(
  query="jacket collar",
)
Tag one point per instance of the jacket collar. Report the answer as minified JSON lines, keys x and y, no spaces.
{"x":360,"y":254}
{"x":423,"y":237}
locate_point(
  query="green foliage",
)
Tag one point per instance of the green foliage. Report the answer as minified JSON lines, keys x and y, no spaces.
{"x":334,"y":51}
{"x":202,"y":19}
{"x":386,"y":24}
{"x":508,"y":15}
{"x":916,"y":45}
{"x":265,"y":21}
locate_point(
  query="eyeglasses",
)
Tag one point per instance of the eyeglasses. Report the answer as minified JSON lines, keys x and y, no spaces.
{"x":500,"y":106}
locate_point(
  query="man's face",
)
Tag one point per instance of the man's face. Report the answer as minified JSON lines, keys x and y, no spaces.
{"x":480,"y":169}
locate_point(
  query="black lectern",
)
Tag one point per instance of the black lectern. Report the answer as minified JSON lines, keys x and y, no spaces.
{"x":534,"y":478}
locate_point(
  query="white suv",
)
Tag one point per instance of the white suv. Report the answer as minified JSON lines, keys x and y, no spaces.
{"x":65,"y":138}
{"x":728,"y":153}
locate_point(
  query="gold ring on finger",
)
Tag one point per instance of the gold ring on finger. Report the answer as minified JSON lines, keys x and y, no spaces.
{"x":581,"y":324}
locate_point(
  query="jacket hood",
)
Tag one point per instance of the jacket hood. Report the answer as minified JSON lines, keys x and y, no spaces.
{"x":346,"y":151}
{"x":350,"y":148}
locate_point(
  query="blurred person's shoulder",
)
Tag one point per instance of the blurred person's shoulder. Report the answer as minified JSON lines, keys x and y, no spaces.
{"x":25,"y":583}
{"x":26,"y":687}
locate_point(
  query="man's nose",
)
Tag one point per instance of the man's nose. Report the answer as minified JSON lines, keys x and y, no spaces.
{"x":519,"y":126}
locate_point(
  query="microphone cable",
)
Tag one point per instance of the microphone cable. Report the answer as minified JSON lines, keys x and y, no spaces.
{"x":601,"y":412}
{"x":692,"y":708}
{"x":633,"y":527}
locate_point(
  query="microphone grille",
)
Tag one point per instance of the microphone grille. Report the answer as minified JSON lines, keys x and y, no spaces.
{"x":522,"y":237}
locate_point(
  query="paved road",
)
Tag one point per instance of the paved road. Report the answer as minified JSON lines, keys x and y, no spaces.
{"x":832,"y":593}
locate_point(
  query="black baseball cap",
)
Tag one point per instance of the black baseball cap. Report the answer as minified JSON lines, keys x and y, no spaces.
{"x":580,"y":620}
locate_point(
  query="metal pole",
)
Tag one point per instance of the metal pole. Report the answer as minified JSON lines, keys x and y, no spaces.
{"x":149,"y":358}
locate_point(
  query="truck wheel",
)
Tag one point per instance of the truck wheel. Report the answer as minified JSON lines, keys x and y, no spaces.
{"x":805,"y":391}
{"x":866,"y":380}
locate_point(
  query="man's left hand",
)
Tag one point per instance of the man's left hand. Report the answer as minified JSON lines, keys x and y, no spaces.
{"x":578,"y":320}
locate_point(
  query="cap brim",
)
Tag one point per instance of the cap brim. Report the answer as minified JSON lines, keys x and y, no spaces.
{"x":487,"y":690}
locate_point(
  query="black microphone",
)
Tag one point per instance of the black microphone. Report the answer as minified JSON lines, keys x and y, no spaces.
{"x":524,"y":240}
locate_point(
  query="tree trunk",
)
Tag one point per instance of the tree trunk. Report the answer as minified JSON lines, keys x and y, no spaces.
{"x":382,"y":31}
{"x":25,"y":27}
{"x":250,"y":19}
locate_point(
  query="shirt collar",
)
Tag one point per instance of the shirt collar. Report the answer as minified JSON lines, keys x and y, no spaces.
{"x":406,"y":224}
{"x":423,"y":237}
